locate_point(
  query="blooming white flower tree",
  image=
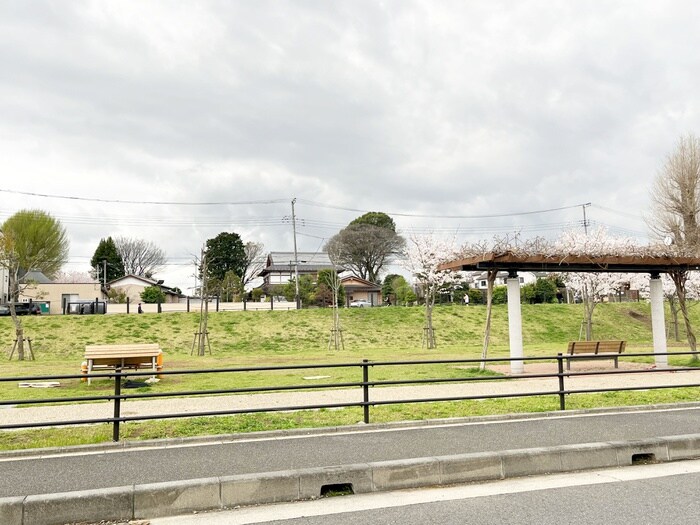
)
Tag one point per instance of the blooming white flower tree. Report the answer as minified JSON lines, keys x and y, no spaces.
{"x":507,"y":243}
{"x":423,"y":255}
{"x":592,"y":287}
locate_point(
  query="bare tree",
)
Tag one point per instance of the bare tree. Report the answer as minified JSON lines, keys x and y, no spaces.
{"x":253,"y":261}
{"x":335,"y":285}
{"x":142,"y":258}
{"x":675,"y":198}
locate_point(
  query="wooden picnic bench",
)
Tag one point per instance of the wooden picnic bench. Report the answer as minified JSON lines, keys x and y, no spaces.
{"x":581,"y":349}
{"x":123,"y":356}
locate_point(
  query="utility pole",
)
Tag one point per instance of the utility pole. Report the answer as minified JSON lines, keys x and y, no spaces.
{"x":104,"y":274}
{"x":585,"y":221}
{"x":296,"y":258}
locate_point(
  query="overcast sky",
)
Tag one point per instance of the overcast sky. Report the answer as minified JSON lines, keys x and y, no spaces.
{"x":436,"y":112}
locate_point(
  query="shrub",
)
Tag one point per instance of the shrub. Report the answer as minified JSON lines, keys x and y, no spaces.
{"x":153,"y":294}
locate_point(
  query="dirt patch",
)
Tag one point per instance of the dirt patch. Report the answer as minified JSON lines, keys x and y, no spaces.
{"x":643,"y":318}
{"x":580,"y":366}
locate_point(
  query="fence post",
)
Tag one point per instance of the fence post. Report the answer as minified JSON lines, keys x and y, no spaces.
{"x":217,"y":303}
{"x":560,"y":367}
{"x":128,"y":302}
{"x":272,"y":302}
{"x":188,"y":304}
{"x":117,"y":404}
{"x":365,"y":389}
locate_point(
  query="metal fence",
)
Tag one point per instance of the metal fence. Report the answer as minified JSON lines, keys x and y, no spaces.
{"x":364,"y":385}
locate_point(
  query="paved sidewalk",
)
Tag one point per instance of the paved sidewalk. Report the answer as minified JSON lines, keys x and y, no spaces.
{"x":195,"y":404}
{"x":168,"y":477}
{"x":149,"y":479}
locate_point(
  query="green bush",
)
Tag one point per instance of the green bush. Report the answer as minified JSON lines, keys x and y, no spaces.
{"x":500,"y":294}
{"x":153,"y":294}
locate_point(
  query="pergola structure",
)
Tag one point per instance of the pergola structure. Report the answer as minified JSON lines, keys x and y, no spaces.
{"x":513,"y":263}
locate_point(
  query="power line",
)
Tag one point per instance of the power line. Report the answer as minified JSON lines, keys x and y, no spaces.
{"x":117,"y":201}
{"x":427,"y":216}
{"x":279,"y":201}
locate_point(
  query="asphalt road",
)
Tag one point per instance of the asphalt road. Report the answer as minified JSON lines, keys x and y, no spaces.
{"x":643,"y":495}
{"x":113,"y":467}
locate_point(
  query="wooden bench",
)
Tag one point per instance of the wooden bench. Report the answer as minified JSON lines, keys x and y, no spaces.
{"x":581,"y":349}
{"x":123,"y":356}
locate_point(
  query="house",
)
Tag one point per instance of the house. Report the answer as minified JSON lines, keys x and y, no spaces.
{"x":133,"y":285}
{"x":55,"y":295}
{"x":357,"y":289}
{"x":279,"y":267}
{"x":479,"y":279}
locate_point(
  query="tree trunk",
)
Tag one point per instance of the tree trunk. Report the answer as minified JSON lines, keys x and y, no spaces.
{"x":19,"y":333}
{"x":336,"y":333}
{"x":490,"y":280}
{"x":679,"y":279}
{"x":429,"y":332}
{"x":673,"y":306}
{"x":588,"y":306}
{"x":13,"y":286}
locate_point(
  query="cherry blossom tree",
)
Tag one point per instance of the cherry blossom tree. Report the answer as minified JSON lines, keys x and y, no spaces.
{"x":498,"y":245}
{"x":423,"y":255}
{"x":592,"y":287}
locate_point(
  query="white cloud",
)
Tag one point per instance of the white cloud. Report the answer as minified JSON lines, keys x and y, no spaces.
{"x":446,"y":108}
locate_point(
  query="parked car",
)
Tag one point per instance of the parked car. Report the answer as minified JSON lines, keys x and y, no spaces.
{"x":4,"y":310}
{"x":360,"y":304}
{"x":27,"y":309}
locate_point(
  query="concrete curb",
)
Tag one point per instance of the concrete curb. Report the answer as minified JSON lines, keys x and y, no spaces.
{"x":181,"y":497}
{"x":360,"y":427}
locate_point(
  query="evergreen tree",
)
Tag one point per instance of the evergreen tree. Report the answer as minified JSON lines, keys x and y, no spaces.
{"x":225,"y":253}
{"x":107,"y":251}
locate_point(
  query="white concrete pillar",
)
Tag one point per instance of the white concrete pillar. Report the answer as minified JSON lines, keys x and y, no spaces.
{"x":515,"y":324}
{"x":658,"y":322}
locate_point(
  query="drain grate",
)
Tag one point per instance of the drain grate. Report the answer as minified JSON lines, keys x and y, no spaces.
{"x":643,"y":459}
{"x":336,"y":489}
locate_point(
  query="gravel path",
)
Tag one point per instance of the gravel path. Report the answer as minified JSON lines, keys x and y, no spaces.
{"x":14,"y":415}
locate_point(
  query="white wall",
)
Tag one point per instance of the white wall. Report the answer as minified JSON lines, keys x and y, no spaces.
{"x":195,"y":307}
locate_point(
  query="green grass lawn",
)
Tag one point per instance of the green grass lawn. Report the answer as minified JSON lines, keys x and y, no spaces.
{"x":269,"y":338}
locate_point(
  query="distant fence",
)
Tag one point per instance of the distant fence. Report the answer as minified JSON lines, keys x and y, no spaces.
{"x":559,"y":387}
{"x":193,"y":305}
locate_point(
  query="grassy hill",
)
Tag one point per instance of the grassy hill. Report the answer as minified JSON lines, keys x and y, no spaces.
{"x":242,"y":339}
{"x":279,"y":337}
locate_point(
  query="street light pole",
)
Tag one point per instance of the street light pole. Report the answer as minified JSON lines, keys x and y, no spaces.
{"x":296,"y":258}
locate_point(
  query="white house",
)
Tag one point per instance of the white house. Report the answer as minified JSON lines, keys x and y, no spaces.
{"x":133,"y":285}
{"x":479,"y":279}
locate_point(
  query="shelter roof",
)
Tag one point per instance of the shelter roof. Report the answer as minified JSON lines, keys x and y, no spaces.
{"x":574,"y":263}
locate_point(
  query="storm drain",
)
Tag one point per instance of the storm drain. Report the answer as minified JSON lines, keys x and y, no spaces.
{"x":336,"y":489}
{"x":643,"y":459}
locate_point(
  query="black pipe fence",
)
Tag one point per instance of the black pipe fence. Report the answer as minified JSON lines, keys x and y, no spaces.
{"x":561,"y":390}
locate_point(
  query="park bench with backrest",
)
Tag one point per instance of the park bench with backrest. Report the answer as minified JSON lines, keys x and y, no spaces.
{"x":146,"y":355}
{"x":592,"y":349}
